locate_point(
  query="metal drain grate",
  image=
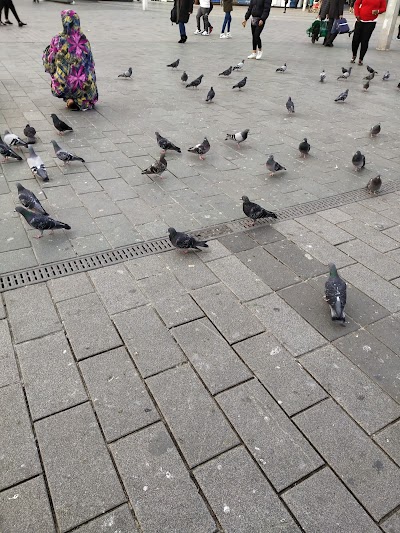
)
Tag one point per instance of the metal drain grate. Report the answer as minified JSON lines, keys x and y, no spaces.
{"x":14,"y":280}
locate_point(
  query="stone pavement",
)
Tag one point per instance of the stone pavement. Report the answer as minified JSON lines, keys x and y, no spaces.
{"x":204,"y":392}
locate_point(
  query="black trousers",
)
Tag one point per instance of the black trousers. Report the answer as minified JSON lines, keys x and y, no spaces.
{"x":330,"y":37}
{"x":7,"y":5}
{"x":361,"y":36}
{"x":256,"y":31}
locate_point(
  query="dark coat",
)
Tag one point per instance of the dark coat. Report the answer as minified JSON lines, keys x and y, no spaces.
{"x":228,"y":6}
{"x":331,"y":8}
{"x":181,"y":11}
{"x":258,"y":9}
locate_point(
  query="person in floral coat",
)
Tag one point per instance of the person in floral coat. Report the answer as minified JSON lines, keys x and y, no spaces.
{"x":69,"y":61}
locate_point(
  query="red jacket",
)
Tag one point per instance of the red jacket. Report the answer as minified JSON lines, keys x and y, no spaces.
{"x":363,"y":9}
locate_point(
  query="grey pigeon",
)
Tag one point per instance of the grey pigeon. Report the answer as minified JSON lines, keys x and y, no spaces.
{"x":184,"y":241}
{"x":358,"y":160}
{"x":290,"y":105}
{"x":273,"y":166}
{"x":375,"y":130}
{"x":345,"y":75}
{"x":30,"y":133}
{"x":175,"y":64}
{"x":64,"y":155}
{"x":60,"y":126}
{"x":335,"y":294}
{"x":196,"y":82}
{"x":158,"y":167}
{"x":344,"y":70}
{"x":255,"y":211}
{"x":40,"y":222}
{"x":386,"y":76}
{"x":226,"y":72}
{"x":240,"y":84}
{"x":126,"y":74}
{"x":239,"y":66}
{"x":200,"y":149}
{"x":342,"y":96}
{"x":239,"y":137}
{"x":370,"y":77}
{"x":13,"y":140}
{"x":165,"y":144}
{"x":282,"y":68}
{"x":184,"y":77}
{"x":322,"y":76}
{"x":29,"y":200}
{"x":374,"y":184}
{"x":36,"y":165}
{"x":371,"y":70}
{"x":8,"y":152}
{"x":366,"y":86}
{"x":210,"y":95}
{"x":304,"y":147}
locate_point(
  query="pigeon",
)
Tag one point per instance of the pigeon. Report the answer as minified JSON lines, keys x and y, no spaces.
{"x":196,"y":82}
{"x":304,"y":147}
{"x":290,"y":105}
{"x":60,"y":125}
{"x":30,"y":133}
{"x":342,"y":96}
{"x":322,"y":76}
{"x":370,"y":76}
{"x":184,"y":77}
{"x":366,"y":86}
{"x":344,"y":70}
{"x":239,"y":137}
{"x":345,"y":75}
{"x":241,"y":84}
{"x":273,"y":166}
{"x":8,"y":152}
{"x":239,"y":66}
{"x":165,"y":144}
{"x":386,"y":76}
{"x":335,"y":294}
{"x":210,"y":95}
{"x":371,"y":70}
{"x":36,"y":165}
{"x":226,"y":72}
{"x":29,"y":200}
{"x":174,"y":64}
{"x":358,"y":160}
{"x":255,"y":211}
{"x":158,"y":167}
{"x":282,"y":68}
{"x":13,"y":140}
{"x":375,"y":130}
{"x":184,"y":241}
{"x":126,"y":74}
{"x":40,"y":222}
{"x":201,"y":148}
{"x":374,"y":185}
{"x":65,"y":156}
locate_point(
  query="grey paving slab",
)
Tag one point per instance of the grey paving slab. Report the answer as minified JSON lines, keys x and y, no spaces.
{"x":88,"y":327}
{"x":118,"y":230}
{"x":137,"y":210}
{"x":90,"y":244}
{"x":80,"y":221}
{"x":238,"y":242}
{"x":62,"y":197}
{"x":364,"y":468}
{"x":17,"y":260}
{"x":363,"y":400}
{"x":301,"y":262}
{"x":232,"y":319}
{"x":8,"y":365}
{"x":368,"y":216}
{"x":265,"y":234}
{"x":70,"y":287}
{"x":328,"y":231}
{"x":392,"y":524}
{"x":282,"y":376}
{"x":189,"y":269}
{"x":82,"y":485}
{"x":99,"y":204}
{"x":25,"y":508}
{"x":144,"y":333}
{"x":119,"y":396}
{"x":254,"y":507}
{"x":145,"y":267}
{"x":119,"y":520}
{"x":199,"y":427}
{"x":84,"y":182}
{"x":118,"y":189}
{"x":381,"y":264}
{"x":216,"y":250}
{"x":19,"y":459}
{"x":393,"y":233}
{"x":295,"y":334}
{"x":389,"y":440}
{"x":322,"y":503}
{"x":388,"y":332}
{"x":24,"y":306}
{"x":102,"y":170}
{"x":370,"y":235}
{"x":52,"y":381}
{"x":161,"y":492}
{"x":278,"y":447}
{"x":13,"y":230}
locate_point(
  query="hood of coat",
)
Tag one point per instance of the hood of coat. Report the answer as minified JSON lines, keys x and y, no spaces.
{"x":70,"y":21}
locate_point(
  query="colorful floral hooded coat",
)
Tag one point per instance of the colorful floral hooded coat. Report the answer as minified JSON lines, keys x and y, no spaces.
{"x":69,"y":61}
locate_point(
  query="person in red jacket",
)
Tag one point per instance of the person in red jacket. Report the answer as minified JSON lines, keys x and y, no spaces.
{"x":366,"y":12}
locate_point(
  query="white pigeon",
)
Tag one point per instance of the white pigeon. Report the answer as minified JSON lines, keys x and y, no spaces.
{"x":282,"y":68}
{"x":239,"y":137}
{"x":36,"y":165}
{"x":322,"y":76}
{"x":13,"y":140}
{"x":239,"y":66}
{"x":386,"y":76}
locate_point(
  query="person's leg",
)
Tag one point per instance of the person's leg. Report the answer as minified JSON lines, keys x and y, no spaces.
{"x":205,"y":18}
{"x":10,"y":5}
{"x":255,"y":38}
{"x":356,"y":39}
{"x":398,"y":33}
{"x":259,"y":31}
{"x":225,"y":22}
{"x":366,"y":32}
{"x":182,"y":31}
{"x":229,"y":22}
{"x":330,"y":37}
{"x":199,"y":14}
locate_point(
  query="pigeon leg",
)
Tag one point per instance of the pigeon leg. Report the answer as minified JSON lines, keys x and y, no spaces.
{"x":201,"y":157}
{"x":271,"y":173}
{"x":238,"y":145}
{"x":38,"y":236}
{"x":4,"y":160}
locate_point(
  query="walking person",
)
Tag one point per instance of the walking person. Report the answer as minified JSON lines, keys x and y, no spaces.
{"x":180,"y":14}
{"x":331,"y":9}
{"x":366,"y":13}
{"x":8,"y":5}
{"x":259,"y":12}
{"x":228,"y":7}
{"x":202,"y":12}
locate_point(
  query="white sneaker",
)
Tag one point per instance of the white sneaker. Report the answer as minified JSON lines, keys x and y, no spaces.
{"x":205,"y":32}
{"x":197,"y":32}
{"x":228,"y":35}
{"x":222,"y":36}
{"x":252,"y":56}
{"x":259,"y":54}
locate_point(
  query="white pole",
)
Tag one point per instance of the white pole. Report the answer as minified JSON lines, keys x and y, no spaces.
{"x":389,"y":24}
{"x":145,"y":4}
{"x":305,"y":4}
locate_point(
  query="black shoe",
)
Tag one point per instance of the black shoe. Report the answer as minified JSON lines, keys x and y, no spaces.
{"x":181,"y":40}
{"x":20,"y":24}
{"x":8,"y":22}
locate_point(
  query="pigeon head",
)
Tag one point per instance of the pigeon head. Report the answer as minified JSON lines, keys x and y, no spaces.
{"x":172,"y":232}
{"x":246,"y":131}
{"x":245,"y":199}
{"x":332,"y":270}
{"x":20,"y":187}
{"x":270,"y":157}
{"x":305,"y":139}
{"x":53,"y":116}
{"x":24,"y":212}
{"x":56,"y":146}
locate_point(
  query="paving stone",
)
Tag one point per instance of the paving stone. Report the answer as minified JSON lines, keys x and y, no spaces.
{"x":392,"y":524}
{"x":321,"y":503}
{"x":2,"y":308}
{"x":276,"y":444}
{"x":300,"y":262}
{"x":295,"y":334}
{"x":335,"y":215}
{"x":145,"y":267}
{"x":118,"y":230}
{"x":328,"y":231}
{"x":99,"y":204}
{"x":88,"y":327}
{"x":216,"y":250}
{"x":374,"y":359}
{"x":102,"y":170}
{"x":388,"y":332}
{"x":69,"y":287}
{"x":370,"y":235}
{"x":255,"y":507}
{"x":360,"y":212}
{"x":119,"y":520}
{"x":264,"y":234}
{"x":24,"y":305}
{"x":389,"y":440}
{"x":81,"y":222}
{"x":84,"y":182}
{"x":379,"y":263}
{"x":233,"y":320}
{"x":118,"y":189}
{"x":13,"y":235}
{"x":189,"y":269}
{"x":159,"y":487}
{"x":62,"y":197}
{"x":364,"y":468}
{"x":238,"y":242}
{"x":393,"y":233}
{"x":144,"y":333}
{"x":280,"y":373}
{"x":363,"y":400}
{"x":19,"y":458}
{"x":196,"y":423}
{"x":17,"y":260}
{"x":8,"y":365}
{"x":26,"y":509}
{"x":137,"y":210}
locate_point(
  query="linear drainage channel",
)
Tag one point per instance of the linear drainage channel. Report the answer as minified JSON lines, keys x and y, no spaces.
{"x":30,"y":276}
